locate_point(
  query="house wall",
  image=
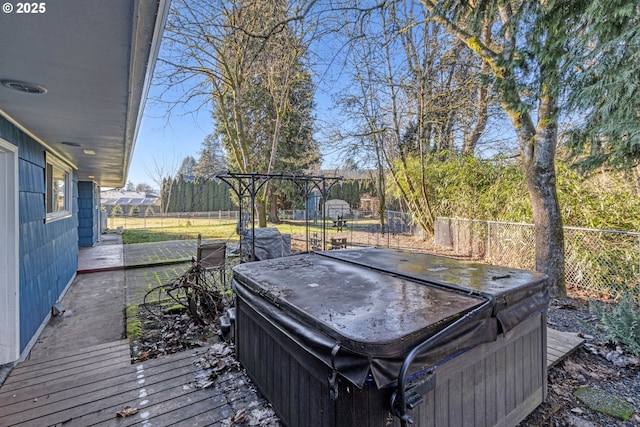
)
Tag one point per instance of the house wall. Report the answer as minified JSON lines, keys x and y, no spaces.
{"x":88,"y":213}
{"x":48,"y":250}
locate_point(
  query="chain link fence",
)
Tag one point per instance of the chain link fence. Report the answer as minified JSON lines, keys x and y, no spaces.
{"x":353,"y":227}
{"x":602,"y":262}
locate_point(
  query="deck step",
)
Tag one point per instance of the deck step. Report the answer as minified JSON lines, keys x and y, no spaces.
{"x":560,"y":345}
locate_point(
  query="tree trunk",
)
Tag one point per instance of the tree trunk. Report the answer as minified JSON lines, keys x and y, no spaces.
{"x":482,"y":102}
{"x":261,"y":208}
{"x":541,"y":183}
{"x":273,"y":206}
{"x":538,"y":147}
{"x":549,"y":236}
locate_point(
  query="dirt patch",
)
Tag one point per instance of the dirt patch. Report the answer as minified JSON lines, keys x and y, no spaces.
{"x":595,"y":364}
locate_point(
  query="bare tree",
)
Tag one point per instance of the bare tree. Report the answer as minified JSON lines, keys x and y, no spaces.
{"x":416,"y":92}
{"x":143,"y":187}
{"x":161,"y":172}
{"x":247,"y":59}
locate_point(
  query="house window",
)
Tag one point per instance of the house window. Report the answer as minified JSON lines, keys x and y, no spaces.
{"x":58,"y":183}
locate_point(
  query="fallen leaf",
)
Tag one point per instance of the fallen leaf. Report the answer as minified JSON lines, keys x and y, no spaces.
{"x":127,"y":412}
{"x":239,"y":416}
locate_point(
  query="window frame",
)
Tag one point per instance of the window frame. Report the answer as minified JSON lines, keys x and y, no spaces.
{"x":53,"y":163}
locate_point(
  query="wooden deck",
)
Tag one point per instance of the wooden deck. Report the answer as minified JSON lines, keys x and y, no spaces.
{"x":91,"y":386}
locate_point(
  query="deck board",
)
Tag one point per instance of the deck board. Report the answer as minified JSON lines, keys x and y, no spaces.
{"x":65,"y":367}
{"x":102,"y":367}
{"x":93,"y":387}
{"x":560,"y":345}
{"x":88,"y":387}
{"x":109,"y":348}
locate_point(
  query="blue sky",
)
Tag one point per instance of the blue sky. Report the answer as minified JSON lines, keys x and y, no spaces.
{"x":166,"y":140}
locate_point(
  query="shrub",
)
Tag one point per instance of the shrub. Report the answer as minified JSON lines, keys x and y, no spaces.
{"x":620,"y":323}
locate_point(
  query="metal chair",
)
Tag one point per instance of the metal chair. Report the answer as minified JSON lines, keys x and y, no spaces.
{"x":212,"y":257}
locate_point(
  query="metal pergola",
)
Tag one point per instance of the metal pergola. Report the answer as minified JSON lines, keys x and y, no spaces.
{"x":248,"y":184}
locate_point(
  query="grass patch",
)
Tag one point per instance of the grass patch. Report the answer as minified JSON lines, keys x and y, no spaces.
{"x":215,"y":232}
{"x":134,"y":325}
{"x":175,"y":309}
{"x":164,"y":234}
{"x":148,"y":236}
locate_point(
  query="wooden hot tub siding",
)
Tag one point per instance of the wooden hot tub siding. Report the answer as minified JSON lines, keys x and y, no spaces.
{"x":494,"y":384}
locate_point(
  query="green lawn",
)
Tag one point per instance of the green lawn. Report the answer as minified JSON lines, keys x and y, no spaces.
{"x":219,"y":231}
{"x":147,"y":235}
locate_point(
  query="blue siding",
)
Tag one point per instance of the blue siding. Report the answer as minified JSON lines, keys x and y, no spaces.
{"x":88,"y":213}
{"x":31,"y":178}
{"x":48,"y":251}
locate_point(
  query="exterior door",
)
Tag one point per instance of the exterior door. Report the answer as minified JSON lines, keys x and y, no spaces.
{"x":9,"y":262}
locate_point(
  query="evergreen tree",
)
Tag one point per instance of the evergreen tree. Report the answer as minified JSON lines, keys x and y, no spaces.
{"x":212,"y":158}
{"x":187,"y":166}
{"x":604,"y":62}
{"x":164,"y":195}
{"x":188,"y":196}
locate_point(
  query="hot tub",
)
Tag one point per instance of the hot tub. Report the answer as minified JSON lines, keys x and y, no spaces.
{"x":378,"y":337}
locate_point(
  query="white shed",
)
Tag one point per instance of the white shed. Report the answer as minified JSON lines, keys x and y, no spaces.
{"x":336,"y":207}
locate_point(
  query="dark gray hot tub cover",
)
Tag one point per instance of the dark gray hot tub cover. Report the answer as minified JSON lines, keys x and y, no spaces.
{"x":518,"y":293}
{"x":257,"y":284}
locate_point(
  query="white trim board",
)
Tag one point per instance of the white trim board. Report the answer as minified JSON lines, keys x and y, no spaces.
{"x":9,"y":255}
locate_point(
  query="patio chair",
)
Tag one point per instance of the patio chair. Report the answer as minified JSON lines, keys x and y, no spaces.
{"x":212,"y":258}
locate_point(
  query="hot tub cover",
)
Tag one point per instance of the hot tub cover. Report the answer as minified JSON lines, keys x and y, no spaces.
{"x":360,"y":320}
{"x":518,"y":293}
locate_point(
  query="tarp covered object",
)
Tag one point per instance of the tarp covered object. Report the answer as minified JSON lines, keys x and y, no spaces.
{"x":269,"y":243}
